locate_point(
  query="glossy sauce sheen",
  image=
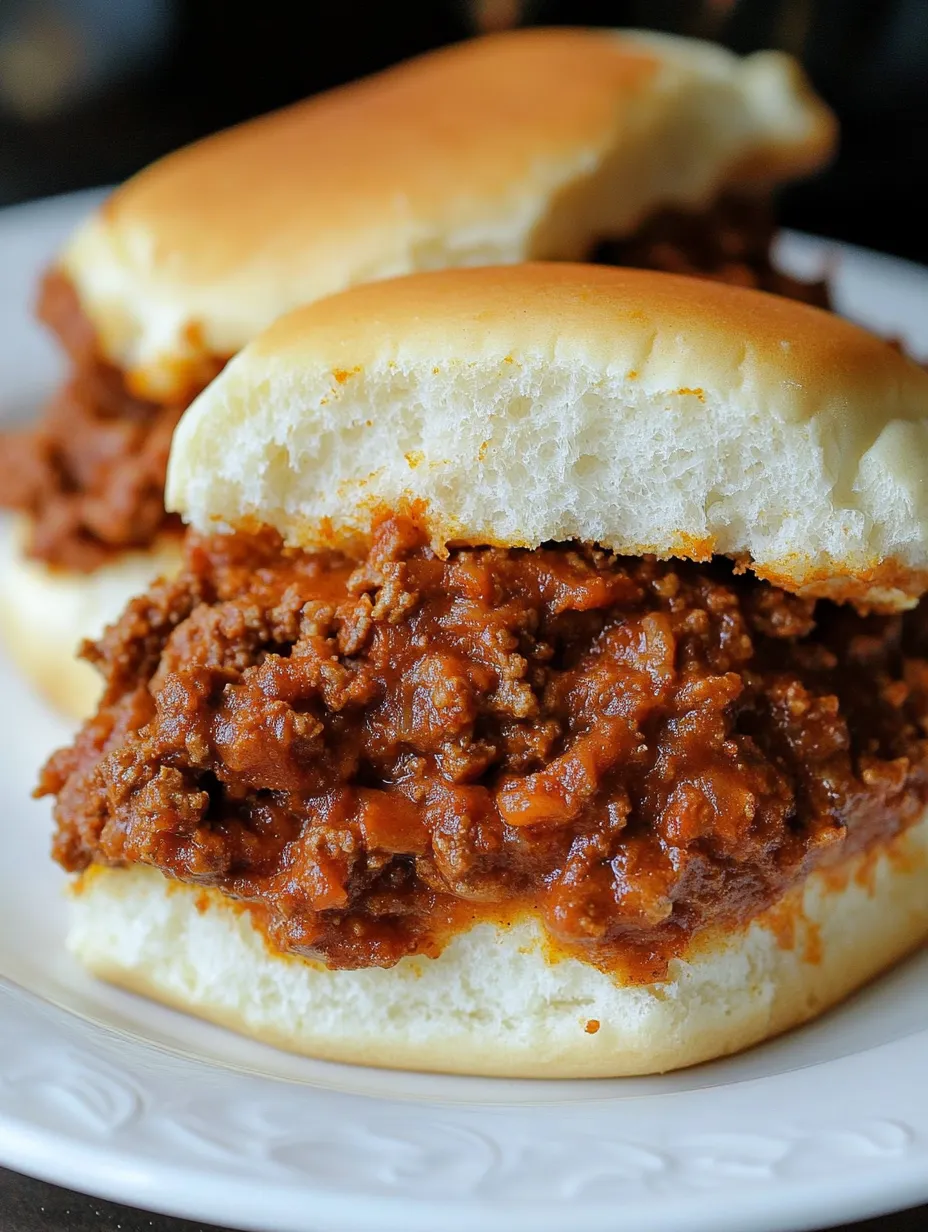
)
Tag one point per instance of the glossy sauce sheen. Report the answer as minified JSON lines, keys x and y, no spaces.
{"x":374,"y":754}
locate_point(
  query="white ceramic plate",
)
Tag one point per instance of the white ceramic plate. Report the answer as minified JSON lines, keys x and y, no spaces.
{"x":103,"y":1092}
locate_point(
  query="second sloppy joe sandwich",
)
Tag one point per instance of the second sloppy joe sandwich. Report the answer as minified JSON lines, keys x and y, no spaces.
{"x":534,"y":144}
{"x":543,"y":689}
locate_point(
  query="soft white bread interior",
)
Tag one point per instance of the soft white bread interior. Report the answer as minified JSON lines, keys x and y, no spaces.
{"x":46,"y":613}
{"x":525,"y":145}
{"x":493,"y":1003}
{"x":518,"y":405}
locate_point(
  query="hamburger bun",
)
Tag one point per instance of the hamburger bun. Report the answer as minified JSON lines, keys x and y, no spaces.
{"x":495,"y":1002}
{"x":535,"y":403}
{"x":516,"y":406}
{"x":530,"y":144}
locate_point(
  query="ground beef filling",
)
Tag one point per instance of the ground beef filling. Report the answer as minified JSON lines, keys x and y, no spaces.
{"x":91,"y":473}
{"x":375,"y":754}
{"x":732,"y":242}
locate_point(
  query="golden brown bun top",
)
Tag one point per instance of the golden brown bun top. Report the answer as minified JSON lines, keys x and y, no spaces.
{"x":520,"y":404}
{"x":525,"y":145}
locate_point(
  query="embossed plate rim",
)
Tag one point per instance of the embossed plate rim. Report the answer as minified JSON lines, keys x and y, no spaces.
{"x":100,"y":1110}
{"x":85,"y":1107}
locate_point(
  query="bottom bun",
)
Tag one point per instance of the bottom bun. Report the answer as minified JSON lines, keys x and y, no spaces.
{"x":493,"y":1003}
{"x":45,"y":613}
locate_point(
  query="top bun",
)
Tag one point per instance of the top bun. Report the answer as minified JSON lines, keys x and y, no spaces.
{"x":525,"y":145}
{"x":516,"y":405}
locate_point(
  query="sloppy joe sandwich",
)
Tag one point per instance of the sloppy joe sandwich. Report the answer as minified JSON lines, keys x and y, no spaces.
{"x":533,"y":144}
{"x":542,"y":689}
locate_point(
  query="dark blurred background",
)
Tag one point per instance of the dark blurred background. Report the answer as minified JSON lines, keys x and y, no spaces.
{"x":91,"y":90}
